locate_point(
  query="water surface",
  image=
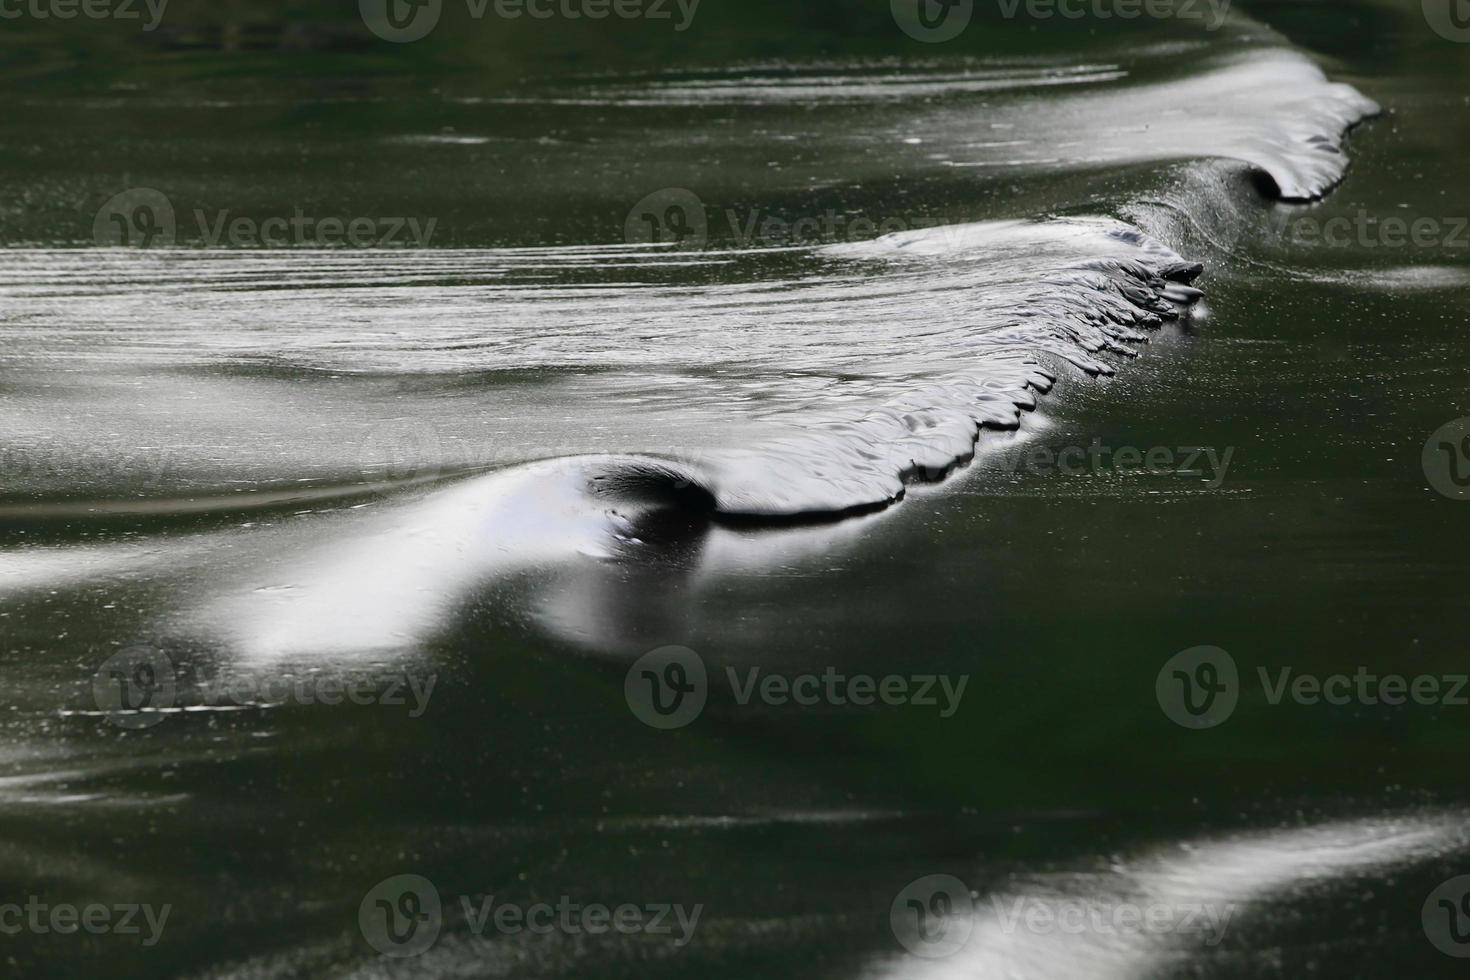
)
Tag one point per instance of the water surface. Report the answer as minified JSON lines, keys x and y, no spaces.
{"x":739,"y":343}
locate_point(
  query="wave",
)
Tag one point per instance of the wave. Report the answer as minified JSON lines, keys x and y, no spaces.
{"x":615,"y":380}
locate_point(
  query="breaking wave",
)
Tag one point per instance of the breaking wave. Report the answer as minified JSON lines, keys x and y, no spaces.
{"x":566,"y":388}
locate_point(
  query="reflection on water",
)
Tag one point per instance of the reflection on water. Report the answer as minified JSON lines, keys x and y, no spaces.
{"x":1173,"y":908}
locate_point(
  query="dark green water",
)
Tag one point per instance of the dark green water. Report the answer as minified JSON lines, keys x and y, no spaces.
{"x":282,"y":480}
